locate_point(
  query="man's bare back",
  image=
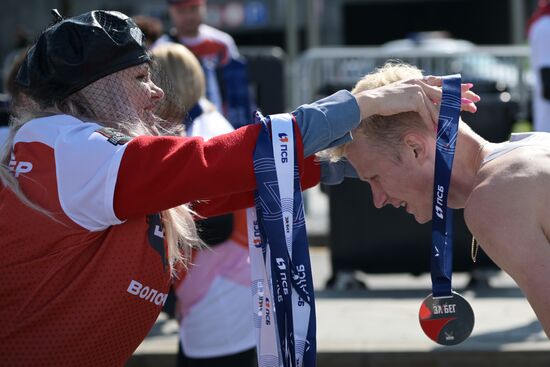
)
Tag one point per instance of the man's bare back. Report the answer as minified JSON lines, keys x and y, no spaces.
{"x":508,"y":212}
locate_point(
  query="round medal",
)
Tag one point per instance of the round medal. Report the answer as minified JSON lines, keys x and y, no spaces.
{"x":446,"y":320}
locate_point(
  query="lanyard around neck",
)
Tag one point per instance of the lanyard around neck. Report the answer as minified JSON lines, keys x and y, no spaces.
{"x":442,"y":216}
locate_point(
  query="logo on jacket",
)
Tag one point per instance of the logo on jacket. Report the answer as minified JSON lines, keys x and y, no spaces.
{"x":18,"y":167}
{"x":114,"y":137}
{"x":155,"y":233}
{"x":283,"y":138}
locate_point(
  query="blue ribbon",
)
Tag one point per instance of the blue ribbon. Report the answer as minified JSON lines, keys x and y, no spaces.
{"x":191,"y":115}
{"x":287,"y":277}
{"x":442,"y":216}
{"x":236,"y":92}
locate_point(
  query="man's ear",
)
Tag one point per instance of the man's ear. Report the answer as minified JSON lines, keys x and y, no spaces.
{"x":416,"y":145}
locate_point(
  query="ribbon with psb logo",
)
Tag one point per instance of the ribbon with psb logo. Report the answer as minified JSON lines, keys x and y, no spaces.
{"x":282,"y":284}
{"x":445,"y":316}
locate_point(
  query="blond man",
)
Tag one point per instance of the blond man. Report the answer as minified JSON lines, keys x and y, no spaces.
{"x":503,"y":187}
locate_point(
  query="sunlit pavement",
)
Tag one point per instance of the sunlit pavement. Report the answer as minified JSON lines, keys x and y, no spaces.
{"x":378,"y":326}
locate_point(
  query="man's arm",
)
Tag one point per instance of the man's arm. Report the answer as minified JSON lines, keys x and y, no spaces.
{"x":157,"y":173}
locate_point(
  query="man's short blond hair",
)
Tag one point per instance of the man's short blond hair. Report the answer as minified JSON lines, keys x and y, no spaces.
{"x":383,"y":131}
{"x":391,"y":72}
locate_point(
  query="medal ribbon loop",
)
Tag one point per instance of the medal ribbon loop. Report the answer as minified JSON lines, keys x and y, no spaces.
{"x":442,"y":216}
{"x":281,"y":269}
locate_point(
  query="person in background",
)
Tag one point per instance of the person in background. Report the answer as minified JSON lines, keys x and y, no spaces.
{"x":9,"y":69}
{"x":14,"y":98}
{"x":224,"y":68}
{"x":22,"y":41}
{"x":151,"y":27}
{"x":213,"y":296}
{"x":4,"y":120}
{"x":538,"y":32}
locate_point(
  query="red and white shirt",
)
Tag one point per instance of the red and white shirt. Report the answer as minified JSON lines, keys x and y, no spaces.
{"x":84,"y":285}
{"x":215,"y":49}
{"x":210,"y":44}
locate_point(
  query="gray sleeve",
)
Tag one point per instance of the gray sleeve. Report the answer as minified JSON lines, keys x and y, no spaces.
{"x":327,"y":122}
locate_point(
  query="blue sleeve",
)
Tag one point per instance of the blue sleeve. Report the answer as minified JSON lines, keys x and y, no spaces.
{"x":327,"y":122}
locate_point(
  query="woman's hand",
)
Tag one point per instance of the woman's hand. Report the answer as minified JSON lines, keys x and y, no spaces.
{"x":420,"y":95}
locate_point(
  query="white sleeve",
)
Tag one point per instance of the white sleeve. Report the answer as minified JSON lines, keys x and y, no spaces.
{"x":210,"y":124}
{"x":232,"y":46}
{"x":539,"y":37}
{"x":207,"y":31}
{"x":87,"y":164}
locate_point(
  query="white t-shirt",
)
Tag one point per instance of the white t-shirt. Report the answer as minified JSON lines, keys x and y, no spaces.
{"x":539,"y":38}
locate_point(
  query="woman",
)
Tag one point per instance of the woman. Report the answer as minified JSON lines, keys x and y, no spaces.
{"x":94,"y":185}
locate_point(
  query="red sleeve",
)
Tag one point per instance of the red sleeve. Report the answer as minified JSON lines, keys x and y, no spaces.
{"x":157,"y":173}
{"x":309,"y":177}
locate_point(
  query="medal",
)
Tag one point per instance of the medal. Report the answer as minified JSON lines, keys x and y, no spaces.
{"x":445,"y":316}
{"x":446,"y":320}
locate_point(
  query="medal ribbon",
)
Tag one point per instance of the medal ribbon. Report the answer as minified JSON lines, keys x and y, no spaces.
{"x":442,"y":216}
{"x":282,"y":284}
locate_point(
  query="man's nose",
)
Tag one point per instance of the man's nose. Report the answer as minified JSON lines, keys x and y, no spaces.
{"x":379,"y":197}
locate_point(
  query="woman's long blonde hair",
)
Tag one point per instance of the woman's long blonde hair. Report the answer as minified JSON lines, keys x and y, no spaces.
{"x":105,"y":102}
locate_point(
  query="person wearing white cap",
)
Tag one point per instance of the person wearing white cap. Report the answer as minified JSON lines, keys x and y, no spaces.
{"x":538,"y":32}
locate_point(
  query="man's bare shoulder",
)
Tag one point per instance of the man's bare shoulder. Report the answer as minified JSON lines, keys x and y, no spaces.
{"x":510,"y":190}
{"x":508,"y":212}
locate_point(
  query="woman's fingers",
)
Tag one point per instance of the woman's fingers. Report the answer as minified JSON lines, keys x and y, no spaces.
{"x":429,"y":112}
{"x":465,"y":88}
{"x":435,"y":81}
{"x":434,"y":111}
{"x":469,"y":98}
{"x":431,"y":86}
{"x":432,"y":91}
{"x":420,"y":95}
{"x":468,"y":105}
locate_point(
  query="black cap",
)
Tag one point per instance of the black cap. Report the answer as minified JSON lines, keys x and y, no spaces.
{"x":77,"y":51}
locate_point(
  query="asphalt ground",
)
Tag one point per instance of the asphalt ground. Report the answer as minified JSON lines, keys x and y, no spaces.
{"x":378,"y":326}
